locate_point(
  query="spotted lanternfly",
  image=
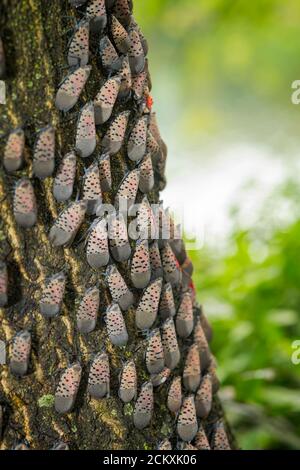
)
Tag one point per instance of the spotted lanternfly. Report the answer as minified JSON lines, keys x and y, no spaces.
{"x":140,"y":265}
{"x":115,"y":324}
{"x":66,"y":226}
{"x":118,"y":238}
{"x":71,"y":88}
{"x":144,"y":406}
{"x":97,"y":252}
{"x":110,"y":60}
{"x":120,"y":36}
{"x":118,"y":288}
{"x":187,"y":425}
{"x":52,"y":295}
{"x":109,"y":4}
{"x":122,"y":11}
{"x":66,"y":391}
{"x":139,"y":85}
{"x":87,"y":312}
{"x":167,"y":305}
{"x":214,"y":379}
{"x":13,"y":152}
{"x":125,"y":74}
{"x":99,"y":376}
{"x":156,"y":133}
{"x":86,"y":131}
{"x":174,"y":399}
{"x":136,"y":53}
{"x":105,"y":99}
{"x":43,"y":153}
{"x":1,"y":419}
{"x":161,"y":377}
{"x":60,"y":445}
{"x":127,"y":191}
{"x":78,"y":49}
{"x":146,"y":175}
{"x":3,"y":284}
{"x":172,"y":272}
{"x":146,"y":223}
{"x":64,"y":179}
{"x":203,"y":399}
{"x":136,"y":146}
{"x":2,"y":60}
{"x":184,"y":317}
{"x":147,"y":309}
{"x":164,"y":445}
{"x":187,"y":446}
{"x":154,"y":353}
{"x":21,"y":446}
{"x":20,"y":353}
{"x":96,"y":13}
{"x":25,"y":208}
{"x":114,"y":137}
{"x":91,"y":192}
{"x":156,"y":267}
{"x":163,"y":227}
{"x":220,"y":439}
{"x":192,"y":369}
{"x":206,"y":327}
{"x":128,"y":382}
{"x":170,"y":344}
{"x":105,"y":173}
{"x":153,"y":147}
{"x":178,"y":247}
{"x":201,"y":441}
{"x":201,"y":341}
{"x":187,"y":271}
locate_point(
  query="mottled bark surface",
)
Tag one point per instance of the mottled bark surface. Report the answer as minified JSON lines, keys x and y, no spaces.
{"x":35,"y":35}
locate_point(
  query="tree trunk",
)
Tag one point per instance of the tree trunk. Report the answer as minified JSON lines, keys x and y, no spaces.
{"x":35,"y":35}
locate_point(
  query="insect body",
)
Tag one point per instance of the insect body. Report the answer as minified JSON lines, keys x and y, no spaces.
{"x":187,"y":425}
{"x":140,"y":265}
{"x":3,"y":284}
{"x":113,"y":139}
{"x":170,"y":344}
{"x":116,"y":327}
{"x":64,"y":179}
{"x":136,"y":146}
{"x":128,"y":382}
{"x":144,"y":406}
{"x":20,"y":353}
{"x":92,"y":193}
{"x":105,"y":99}
{"x":78,"y":51}
{"x":97,"y":252}
{"x":25,"y":208}
{"x":118,"y":288}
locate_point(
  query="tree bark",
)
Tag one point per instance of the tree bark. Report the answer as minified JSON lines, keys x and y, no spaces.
{"x":35,"y":35}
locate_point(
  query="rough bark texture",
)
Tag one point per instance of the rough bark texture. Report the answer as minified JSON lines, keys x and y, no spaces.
{"x":35,"y":35}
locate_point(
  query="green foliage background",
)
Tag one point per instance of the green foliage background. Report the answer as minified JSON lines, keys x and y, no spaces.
{"x":222,"y":69}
